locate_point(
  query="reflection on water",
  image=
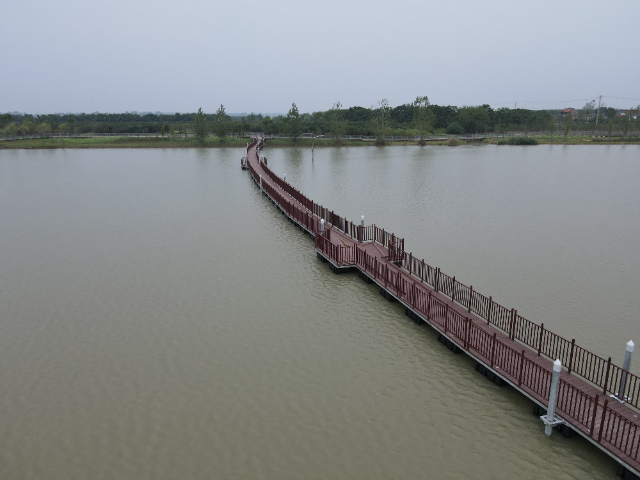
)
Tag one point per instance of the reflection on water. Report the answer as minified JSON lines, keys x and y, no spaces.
{"x":161,"y":319}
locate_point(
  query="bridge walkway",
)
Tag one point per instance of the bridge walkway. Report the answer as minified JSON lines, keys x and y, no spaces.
{"x":502,"y":350}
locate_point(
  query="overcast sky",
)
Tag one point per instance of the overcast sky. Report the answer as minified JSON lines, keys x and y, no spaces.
{"x":176,"y":56}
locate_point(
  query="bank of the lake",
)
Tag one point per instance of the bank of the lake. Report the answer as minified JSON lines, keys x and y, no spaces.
{"x":236,"y":142}
{"x":122,"y":142}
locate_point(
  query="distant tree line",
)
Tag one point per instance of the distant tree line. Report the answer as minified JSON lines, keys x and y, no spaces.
{"x":417,"y":118}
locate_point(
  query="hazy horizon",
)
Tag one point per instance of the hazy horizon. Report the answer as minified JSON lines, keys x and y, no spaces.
{"x":113,"y":57}
{"x":231,"y":114}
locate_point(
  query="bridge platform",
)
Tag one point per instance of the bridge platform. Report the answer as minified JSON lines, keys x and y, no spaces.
{"x":507,"y":348}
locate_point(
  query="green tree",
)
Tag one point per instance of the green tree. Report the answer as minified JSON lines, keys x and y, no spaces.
{"x":200,"y":126}
{"x":268,"y":125}
{"x":380,"y":120}
{"x":11,"y":129}
{"x":172,"y":132}
{"x":162,"y":131}
{"x":454,"y":128}
{"x":4,"y":119}
{"x":337,"y":122}
{"x":422,"y":117}
{"x":626,"y":122}
{"x":293,"y":123}
{"x":473,"y":119}
{"x":609,"y":113}
{"x":610,"y":127}
{"x":27,"y":127}
{"x":44,"y":127}
{"x":567,"y":126}
{"x":244,"y":125}
{"x":221,"y":123}
{"x":585,"y":112}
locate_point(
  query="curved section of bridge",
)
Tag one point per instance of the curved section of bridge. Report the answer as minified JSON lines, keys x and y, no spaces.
{"x":595,"y":398}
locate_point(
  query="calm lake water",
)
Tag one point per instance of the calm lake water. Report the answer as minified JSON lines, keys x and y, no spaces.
{"x":159,"y":319}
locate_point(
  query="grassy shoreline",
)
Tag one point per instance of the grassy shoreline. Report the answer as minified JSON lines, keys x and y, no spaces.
{"x":213,"y":142}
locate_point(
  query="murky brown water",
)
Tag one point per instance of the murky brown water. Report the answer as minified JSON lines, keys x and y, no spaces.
{"x":160,"y":319}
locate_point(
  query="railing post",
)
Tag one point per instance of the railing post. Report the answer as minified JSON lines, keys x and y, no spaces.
{"x":550,"y":417}
{"x":593,"y":417}
{"x":453,"y":289}
{"x":412,"y":294}
{"x":466,"y":333}
{"x":513,"y":319}
{"x":446,"y":317}
{"x":521,"y":368}
{"x":604,"y":414}
{"x":540,"y":338}
{"x":470,"y":295}
{"x":626,"y":366}
{"x":489,"y":310}
{"x":410,"y":262}
{"x":573,"y":344}
{"x":437,"y":282}
{"x":606,"y":377}
{"x":493,"y":349}
{"x":429,"y":306}
{"x":361,"y":233}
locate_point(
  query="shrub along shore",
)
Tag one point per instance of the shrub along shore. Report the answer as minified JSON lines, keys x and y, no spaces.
{"x":231,"y":142}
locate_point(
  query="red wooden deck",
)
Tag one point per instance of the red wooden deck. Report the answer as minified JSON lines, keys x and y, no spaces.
{"x":513,"y":348}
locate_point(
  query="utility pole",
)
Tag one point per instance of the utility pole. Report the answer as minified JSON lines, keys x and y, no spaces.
{"x":598,"y":114}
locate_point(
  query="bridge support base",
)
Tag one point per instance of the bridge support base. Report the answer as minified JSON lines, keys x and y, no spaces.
{"x":448,"y":343}
{"x":413,"y":316}
{"x":480,"y":368}
{"x":387,"y":295}
{"x":564,"y":429}
{"x":364,"y":277}
{"x":538,"y":411}
{"x":624,"y":473}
